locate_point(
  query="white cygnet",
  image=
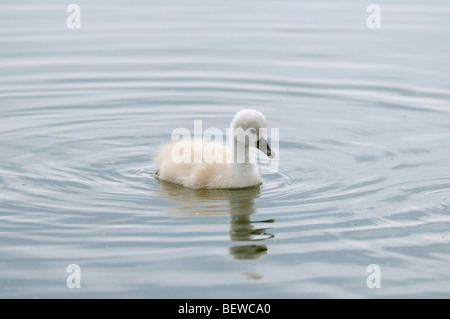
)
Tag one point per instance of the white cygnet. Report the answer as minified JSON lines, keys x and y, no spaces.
{"x":203,"y":164}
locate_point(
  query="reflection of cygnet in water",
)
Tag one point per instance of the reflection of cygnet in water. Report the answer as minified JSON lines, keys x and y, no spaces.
{"x":238,"y":203}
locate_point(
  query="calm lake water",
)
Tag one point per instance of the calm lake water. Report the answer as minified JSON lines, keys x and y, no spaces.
{"x":362,"y":175}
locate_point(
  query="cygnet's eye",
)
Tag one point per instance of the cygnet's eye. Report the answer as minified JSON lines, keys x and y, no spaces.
{"x":253,"y":131}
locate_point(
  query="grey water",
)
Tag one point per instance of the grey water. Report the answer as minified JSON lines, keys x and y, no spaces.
{"x":362,"y":175}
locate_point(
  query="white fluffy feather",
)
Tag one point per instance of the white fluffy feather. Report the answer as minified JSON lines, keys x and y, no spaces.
{"x":224,"y":173}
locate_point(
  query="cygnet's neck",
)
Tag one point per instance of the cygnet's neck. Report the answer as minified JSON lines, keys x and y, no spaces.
{"x":240,"y":153}
{"x":244,"y":168}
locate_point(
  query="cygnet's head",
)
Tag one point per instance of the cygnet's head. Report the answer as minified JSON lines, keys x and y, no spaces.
{"x":250,"y":127}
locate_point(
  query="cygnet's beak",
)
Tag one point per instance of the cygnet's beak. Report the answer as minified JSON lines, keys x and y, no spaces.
{"x":264,"y":147}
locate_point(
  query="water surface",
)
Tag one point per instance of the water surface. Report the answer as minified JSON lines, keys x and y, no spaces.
{"x":363,"y":169}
